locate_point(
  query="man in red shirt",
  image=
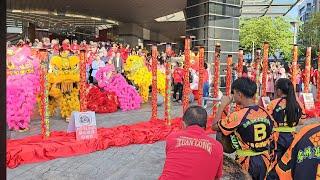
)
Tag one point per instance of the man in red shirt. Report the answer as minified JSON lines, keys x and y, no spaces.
{"x":178,"y":82}
{"x":191,"y":153}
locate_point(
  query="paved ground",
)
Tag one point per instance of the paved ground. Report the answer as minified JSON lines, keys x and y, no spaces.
{"x":130,"y":162}
{"x":103,"y":120}
{"x":134,"y":162}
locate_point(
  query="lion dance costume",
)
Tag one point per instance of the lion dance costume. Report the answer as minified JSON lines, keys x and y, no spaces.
{"x":110,"y":81}
{"x":63,"y":79}
{"x":22,"y":87}
{"x":139,"y":74}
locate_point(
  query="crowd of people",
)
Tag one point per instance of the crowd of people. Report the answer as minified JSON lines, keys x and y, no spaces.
{"x":277,"y":70}
{"x":263,"y":138}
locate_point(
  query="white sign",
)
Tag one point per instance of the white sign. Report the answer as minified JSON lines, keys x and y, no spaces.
{"x":308,"y":101}
{"x":265,"y":101}
{"x":84,"y":124}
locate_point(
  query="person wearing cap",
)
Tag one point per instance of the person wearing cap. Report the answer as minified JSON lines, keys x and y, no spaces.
{"x":190,"y":153}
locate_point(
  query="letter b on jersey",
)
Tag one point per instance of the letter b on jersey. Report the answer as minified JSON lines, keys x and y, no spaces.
{"x":260,"y":132}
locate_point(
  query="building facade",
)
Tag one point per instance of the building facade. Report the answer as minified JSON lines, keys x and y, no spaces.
{"x":307,"y":7}
{"x":212,"y":22}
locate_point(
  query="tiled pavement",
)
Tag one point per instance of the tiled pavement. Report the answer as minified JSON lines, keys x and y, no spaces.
{"x":103,"y":120}
{"x":131,"y":162}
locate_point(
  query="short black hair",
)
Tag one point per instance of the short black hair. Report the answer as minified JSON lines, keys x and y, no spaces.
{"x":195,"y":115}
{"x":245,"y":69}
{"x":246,"y":86}
{"x":205,"y":65}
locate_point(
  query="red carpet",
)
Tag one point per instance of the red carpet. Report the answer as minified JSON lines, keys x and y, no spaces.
{"x":62,"y":144}
{"x":312,"y":113}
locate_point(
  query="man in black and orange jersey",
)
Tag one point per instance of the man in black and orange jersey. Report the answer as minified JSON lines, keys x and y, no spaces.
{"x":302,"y":159}
{"x":250,"y":128}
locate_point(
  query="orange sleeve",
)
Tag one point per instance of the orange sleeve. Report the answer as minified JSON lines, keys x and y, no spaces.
{"x":272,"y":105}
{"x":230,"y":123}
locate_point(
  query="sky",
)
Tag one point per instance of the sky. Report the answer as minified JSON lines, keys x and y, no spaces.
{"x":294,"y":11}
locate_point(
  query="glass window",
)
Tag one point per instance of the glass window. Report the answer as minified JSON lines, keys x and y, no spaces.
{"x":236,"y":12}
{"x":236,"y":35}
{"x":235,"y":46}
{"x":196,"y":22}
{"x":199,"y":33}
{"x":230,"y":1}
{"x":236,"y":23}
{"x":199,"y":43}
{"x":194,"y":2}
{"x":217,"y":8}
{"x":230,"y":11}
{"x":226,"y":45}
{"x":197,"y":10}
{"x":221,"y":21}
{"x":223,"y":34}
{"x":309,"y":6}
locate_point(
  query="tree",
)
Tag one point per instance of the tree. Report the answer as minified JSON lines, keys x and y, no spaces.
{"x":309,"y":34}
{"x":276,"y":31}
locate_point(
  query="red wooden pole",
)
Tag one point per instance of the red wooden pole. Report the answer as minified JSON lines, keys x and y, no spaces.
{"x":294,"y":66}
{"x":307,"y":71}
{"x":318,"y":80}
{"x":167,"y":99}
{"x":44,"y":93}
{"x":216,"y":84}
{"x":265,"y":69}
{"x":186,"y":82}
{"x":154,"y":83}
{"x":228,"y":79}
{"x":201,"y":71}
{"x":83,"y":99}
{"x":240,"y":63}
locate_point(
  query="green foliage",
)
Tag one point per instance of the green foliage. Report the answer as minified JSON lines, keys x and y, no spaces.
{"x":309,"y":33}
{"x":276,"y":31}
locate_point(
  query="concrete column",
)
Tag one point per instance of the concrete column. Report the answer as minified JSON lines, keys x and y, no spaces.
{"x":31,"y":32}
{"x":214,"y":22}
